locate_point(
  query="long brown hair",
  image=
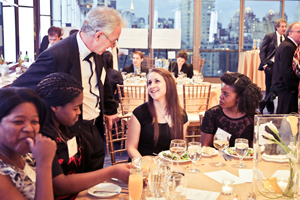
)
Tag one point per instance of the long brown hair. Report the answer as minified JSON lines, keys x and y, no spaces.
{"x":173,"y":107}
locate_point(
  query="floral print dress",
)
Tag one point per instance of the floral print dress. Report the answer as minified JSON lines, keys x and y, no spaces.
{"x":22,"y":182}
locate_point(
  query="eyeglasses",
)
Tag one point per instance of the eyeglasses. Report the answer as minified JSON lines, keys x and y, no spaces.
{"x":295,"y":31}
{"x":112,"y":43}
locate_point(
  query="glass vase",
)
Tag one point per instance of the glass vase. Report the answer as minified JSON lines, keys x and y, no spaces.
{"x":276,"y":157}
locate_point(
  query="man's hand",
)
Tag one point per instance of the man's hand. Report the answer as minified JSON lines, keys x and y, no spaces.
{"x":111,"y":119}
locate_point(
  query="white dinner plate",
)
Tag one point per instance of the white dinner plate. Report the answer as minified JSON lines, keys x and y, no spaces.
{"x":275,"y":158}
{"x":104,"y":187}
{"x":213,"y":153}
{"x":235,"y":156}
{"x":168,"y":152}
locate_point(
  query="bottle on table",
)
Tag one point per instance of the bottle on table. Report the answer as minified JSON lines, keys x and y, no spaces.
{"x":26,"y":58}
{"x":1,"y":59}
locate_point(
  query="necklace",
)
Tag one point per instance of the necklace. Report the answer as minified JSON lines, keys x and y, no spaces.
{"x":10,"y":159}
{"x":59,"y":134}
{"x":166,"y":117}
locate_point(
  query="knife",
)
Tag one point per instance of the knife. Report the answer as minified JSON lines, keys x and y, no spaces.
{"x":109,"y":191}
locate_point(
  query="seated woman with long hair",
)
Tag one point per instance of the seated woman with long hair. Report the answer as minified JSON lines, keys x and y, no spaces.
{"x":24,"y":175}
{"x":155,"y":123}
{"x":63,"y":95}
{"x":235,"y":114}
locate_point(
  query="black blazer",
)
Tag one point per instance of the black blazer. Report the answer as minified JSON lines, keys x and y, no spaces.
{"x":115,"y":77}
{"x":63,"y":56}
{"x":267,"y":49}
{"x":130,"y":69}
{"x":186,"y":68}
{"x":44,"y":44}
{"x":284,"y":77}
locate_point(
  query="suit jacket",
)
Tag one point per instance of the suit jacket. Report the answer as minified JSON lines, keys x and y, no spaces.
{"x":44,"y":44}
{"x":284,"y":77}
{"x":267,"y":49}
{"x":63,"y":56}
{"x":130,"y":69}
{"x":186,"y":68}
{"x":115,"y":77}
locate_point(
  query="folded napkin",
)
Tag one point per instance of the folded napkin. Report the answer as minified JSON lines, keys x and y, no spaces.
{"x":275,"y":158}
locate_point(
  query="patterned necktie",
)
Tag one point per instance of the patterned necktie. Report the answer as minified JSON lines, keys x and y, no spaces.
{"x":92,"y":71}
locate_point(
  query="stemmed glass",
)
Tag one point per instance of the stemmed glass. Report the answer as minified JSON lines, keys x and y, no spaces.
{"x":194,"y":153}
{"x":135,"y":183}
{"x":221,"y":142}
{"x":241,"y":149}
{"x":177,"y":148}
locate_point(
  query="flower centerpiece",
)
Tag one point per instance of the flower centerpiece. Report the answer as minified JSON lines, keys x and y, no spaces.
{"x":276,"y":145}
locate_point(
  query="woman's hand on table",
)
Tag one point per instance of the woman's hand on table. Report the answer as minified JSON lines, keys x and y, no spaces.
{"x":121,"y":172}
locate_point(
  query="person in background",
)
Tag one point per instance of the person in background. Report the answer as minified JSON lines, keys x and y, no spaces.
{"x":63,"y":96}
{"x":285,"y":81}
{"x":136,"y":66}
{"x":155,"y":123}
{"x":296,"y":68}
{"x":24,"y":175}
{"x":73,"y":31}
{"x":181,"y":65}
{"x":115,"y":77}
{"x":235,"y":114}
{"x":267,"y":52}
{"x":81,"y":56}
{"x":54,"y":35}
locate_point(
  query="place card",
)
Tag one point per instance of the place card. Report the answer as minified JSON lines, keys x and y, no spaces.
{"x":222,"y":132}
{"x":246,"y":175}
{"x":220,"y":175}
{"x":201,"y":194}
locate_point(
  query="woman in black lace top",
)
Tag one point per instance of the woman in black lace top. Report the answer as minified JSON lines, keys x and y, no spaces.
{"x":235,"y":113}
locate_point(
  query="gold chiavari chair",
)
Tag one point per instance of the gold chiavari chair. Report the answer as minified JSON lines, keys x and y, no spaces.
{"x":195,"y":103}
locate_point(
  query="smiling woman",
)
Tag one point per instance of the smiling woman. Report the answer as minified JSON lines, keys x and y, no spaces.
{"x":23,"y":174}
{"x":235,"y":114}
{"x":155,"y":123}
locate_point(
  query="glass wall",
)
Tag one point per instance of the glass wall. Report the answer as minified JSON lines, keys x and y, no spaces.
{"x":219,"y":36}
{"x":259,"y":21}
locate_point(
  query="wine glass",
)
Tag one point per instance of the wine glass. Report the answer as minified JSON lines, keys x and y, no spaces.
{"x":177,"y":148}
{"x":221,"y":142}
{"x":176,"y":184}
{"x":135,"y":183}
{"x":194,"y":153}
{"x":241,"y":149}
{"x":143,"y":164}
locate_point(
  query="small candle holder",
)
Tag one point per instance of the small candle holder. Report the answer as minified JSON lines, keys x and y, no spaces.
{"x":227,"y":186}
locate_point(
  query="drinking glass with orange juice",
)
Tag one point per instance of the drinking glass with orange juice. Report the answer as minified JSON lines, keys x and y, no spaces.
{"x":135,"y":183}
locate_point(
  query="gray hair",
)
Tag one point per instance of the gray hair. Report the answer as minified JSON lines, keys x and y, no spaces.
{"x":278,"y":21}
{"x":289,"y":28}
{"x":104,"y":19}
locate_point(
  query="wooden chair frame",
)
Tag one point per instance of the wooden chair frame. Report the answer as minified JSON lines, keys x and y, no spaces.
{"x":117,"y":134}
{"x":130,"y":93}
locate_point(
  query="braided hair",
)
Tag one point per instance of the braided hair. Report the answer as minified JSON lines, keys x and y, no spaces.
{"x":248,"y":93}
{"x":58,"y":89}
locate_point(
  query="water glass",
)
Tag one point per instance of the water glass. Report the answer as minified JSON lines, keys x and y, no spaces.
{"x":194,"y":153}
{"x":178,"y":148}
{"x":241,"y":149}
{"x":176,"y":184}
{"x":221,"y":142}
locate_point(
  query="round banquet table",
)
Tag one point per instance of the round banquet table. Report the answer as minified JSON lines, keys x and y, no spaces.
{"x":203,"y":182}
{"x":248,"y":65}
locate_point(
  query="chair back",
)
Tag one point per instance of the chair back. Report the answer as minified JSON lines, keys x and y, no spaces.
{"x":202,"y":61}
{"x":116,"y":139}
{"x":196,"y":97}
{"x":131,"y":96}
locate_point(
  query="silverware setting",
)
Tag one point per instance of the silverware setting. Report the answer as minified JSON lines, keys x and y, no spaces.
{"x":225,"y":156}
{"x":109,"y":191}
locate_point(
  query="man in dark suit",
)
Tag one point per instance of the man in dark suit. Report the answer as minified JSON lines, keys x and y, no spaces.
{"x":136,"y":66}
{"x":285,"y":81}
{"x":267,"y":53}
{"x":54,"y":35}
{"x":80,"y":55}
{"x":181,"y":66}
